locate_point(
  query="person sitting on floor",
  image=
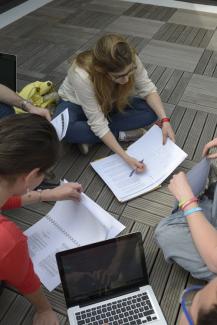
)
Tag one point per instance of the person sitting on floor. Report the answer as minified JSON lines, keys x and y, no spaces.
{"x":29,"y":146}
{"x":8,"y":99}
{"x":189,"y":238}
{"x":108,"y":92}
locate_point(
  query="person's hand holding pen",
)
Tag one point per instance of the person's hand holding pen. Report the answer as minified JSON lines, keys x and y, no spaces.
{"x":137,"y":166}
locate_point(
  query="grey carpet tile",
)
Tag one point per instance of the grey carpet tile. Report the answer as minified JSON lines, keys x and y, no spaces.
{"x":64,"y":34}
{"x":90,"y":19}
{"x":213,"y":42}
{"x":24,"y":26}
{"x":69,"y":4}
{"x":186,"y":35}
{"x":112,"y":6}
{"x":150,"y":12}
{"x":135,"y":26}
{"x":201,"y":91}
{"x":171,"y":55}
{"x":194,"y":18}
{"x":52,"y":14}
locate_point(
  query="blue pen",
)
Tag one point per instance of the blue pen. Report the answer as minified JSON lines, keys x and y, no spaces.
{"x":133,"y":171}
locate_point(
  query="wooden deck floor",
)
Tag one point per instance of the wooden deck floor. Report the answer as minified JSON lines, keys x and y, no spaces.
{"x":179,"y":49}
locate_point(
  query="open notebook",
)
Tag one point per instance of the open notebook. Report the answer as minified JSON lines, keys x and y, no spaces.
{"x":69,"y":224}
{"x":160,"y":161}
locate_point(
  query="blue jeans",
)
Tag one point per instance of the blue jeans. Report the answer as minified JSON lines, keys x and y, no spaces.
{"x":6,"y":110}
{"x":136,"y":115}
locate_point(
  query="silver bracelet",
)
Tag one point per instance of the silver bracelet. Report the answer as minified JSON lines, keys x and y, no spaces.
{"x":40,"y":195}
{"x":24,"y":103}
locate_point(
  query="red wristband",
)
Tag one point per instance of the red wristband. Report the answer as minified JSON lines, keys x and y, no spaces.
{"x":165,"y":119}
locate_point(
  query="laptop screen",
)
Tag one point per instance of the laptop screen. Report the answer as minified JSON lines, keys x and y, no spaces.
{"x":103,"y":269}
{"x":8,"y":73}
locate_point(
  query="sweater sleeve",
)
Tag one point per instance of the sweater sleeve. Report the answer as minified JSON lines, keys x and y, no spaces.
{"x":12,"y":203}
{"x":85,"y":96}
{"x":143,"y":85}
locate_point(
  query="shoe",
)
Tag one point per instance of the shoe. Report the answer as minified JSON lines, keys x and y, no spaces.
{"x":131,"y":135}
{"x":83,"y":148}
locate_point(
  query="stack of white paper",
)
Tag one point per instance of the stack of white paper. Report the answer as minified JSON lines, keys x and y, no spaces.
{"x":160,"y":161}
{"x":69,"y":224}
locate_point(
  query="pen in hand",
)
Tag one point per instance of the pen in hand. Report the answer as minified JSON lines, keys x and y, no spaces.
{"x":133,"y":171}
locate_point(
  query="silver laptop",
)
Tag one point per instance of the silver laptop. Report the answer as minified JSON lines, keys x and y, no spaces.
{"x":8,"y":68}
{"x":107,"y":283}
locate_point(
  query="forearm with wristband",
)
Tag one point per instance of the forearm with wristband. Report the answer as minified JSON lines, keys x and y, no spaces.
{"x":183,"y":204}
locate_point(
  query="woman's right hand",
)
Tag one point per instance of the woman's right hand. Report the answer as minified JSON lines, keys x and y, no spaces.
{"x":207,"y":147}
{"x":136,"y":165}
{"x":47,"y":317}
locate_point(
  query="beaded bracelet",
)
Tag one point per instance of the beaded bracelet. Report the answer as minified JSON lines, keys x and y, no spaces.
{"x":184,"y":205}
{"x":193,"y":210}
{"x":183,"y":202}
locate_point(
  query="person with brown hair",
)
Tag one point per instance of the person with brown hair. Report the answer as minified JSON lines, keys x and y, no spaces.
{"x":108,"y":93}
{"x":29,"y":146}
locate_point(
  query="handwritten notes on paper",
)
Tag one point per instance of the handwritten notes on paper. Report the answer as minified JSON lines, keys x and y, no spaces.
{"x":160,"y":161}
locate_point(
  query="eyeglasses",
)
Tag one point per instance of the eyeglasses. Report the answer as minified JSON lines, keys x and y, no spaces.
{"x":125,"y":74}
{"x":184,"y":304}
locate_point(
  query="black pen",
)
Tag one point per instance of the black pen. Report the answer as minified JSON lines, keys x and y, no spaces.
{"x":133,"y":171}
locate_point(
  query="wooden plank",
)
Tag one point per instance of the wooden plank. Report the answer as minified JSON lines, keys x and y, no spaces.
{"x":177,"y":116}
{"x":170,"y":301}
{"x":154,"y":207}
{"x":6,"y":300}
{"x":140,"y":227}
{"x":194,"y":134}
{"x":128,"y":223}
{"x":157,"y":74}
{"x":23,"y":215}
{"x":201,"y":66}
{"x":105,"y":198}
{"x":206,"y":135}
{"x":164,"y":78}
{"x":18,"y":309}
{"x":211,"y":66}
{"x":159,"y":275}
{"x":150,"y":250}
{"x":184,"y":127}
{"x":170,"y":86}
{"x":180,"y":88}
{"x":142,"y":216}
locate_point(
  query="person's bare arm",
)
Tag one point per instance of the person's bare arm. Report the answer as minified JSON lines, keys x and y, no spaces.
{"x":154,"y":101}
{"x":44,"y":313}
{"x":9,"y":97}
{"x":67,"y":191}
{"x":110,"y":140}
{"x":203,"y":233}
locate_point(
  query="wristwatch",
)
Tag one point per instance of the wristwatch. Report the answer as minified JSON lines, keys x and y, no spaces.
{"x":24,"y":103}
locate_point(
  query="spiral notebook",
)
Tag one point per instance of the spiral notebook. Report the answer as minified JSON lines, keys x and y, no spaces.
{"x":69,"y":224}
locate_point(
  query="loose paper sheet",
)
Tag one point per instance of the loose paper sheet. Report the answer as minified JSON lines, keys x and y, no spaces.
{"x":69,"y":224}
{"x":160,"y":161}
{"x":61,"y":122}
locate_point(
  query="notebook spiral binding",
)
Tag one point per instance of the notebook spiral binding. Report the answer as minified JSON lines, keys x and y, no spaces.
{"x":62,"y":230}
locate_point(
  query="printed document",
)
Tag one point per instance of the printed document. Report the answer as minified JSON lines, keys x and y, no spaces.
{"x":160,"y":161}
{"x":69,"y":224}
{"x":60,"y":123}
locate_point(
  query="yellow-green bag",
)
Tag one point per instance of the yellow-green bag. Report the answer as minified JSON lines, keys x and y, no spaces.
{"x":40,"y":93}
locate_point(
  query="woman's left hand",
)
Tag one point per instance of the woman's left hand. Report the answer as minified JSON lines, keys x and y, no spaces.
{"x":180,"y":187}
{"x":67,"y":191}
{"x":167,"y":131}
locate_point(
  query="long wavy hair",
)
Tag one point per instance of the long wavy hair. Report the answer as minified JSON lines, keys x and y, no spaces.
{"x":112,"y":53}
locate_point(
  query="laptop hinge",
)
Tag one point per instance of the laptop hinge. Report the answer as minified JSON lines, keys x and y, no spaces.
{"x":104,"y":298}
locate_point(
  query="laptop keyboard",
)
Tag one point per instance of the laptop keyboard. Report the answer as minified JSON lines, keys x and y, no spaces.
{"x":136,"y":310}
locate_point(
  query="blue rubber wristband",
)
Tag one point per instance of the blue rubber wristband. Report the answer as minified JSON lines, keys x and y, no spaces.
{"x":188,"y":212}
